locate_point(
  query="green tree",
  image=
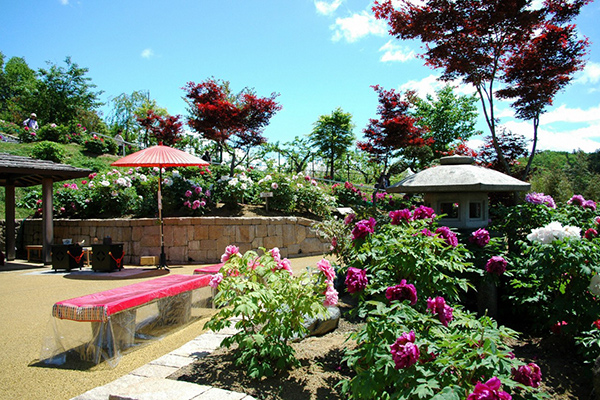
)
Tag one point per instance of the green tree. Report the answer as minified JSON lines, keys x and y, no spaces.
{"x":17,"y":85}
{"x":63,"y":92}
{"x":449,"y":118}
{"x":127,"y":109}
{"x":296,"y":153}
{"x":333,"y":135}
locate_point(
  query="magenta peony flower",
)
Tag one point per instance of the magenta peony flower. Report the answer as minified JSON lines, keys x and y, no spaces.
{"x":402,"y":292}
{"x":230,"y":251}
{"x":540,"y":198}
{"x":215,"y":280}
{"x":325,"y":267}
{"x":496,"y":265}
{"x":195,"y":204}
{"x":489,"y":391}
{"x":188,"y":193}
{"x":480,"y":237}
{"x":438,"y":306}
{"x":445,"y":233}
{"x":591,"y":233}
{"x":400,"y":216}
{"x":423,"y":212}
{"x":591,"y":204}
{"x":356,"y":280}
{"x":363,"y":228}
{"x":331,"y":296}
{"x":404,"y":350}
{"x":198,"y":189}
{"x":576,"y":200}
{"x":528,"y":375}
{"x":426,"y":232}
{"x":349,"y":218}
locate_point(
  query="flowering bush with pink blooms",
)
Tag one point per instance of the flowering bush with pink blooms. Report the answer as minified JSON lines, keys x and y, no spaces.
{"x":271,"y":304}
{"x":433,"y":350}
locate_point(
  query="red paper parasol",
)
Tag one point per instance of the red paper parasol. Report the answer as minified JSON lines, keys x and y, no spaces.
{"x":160,"y":156}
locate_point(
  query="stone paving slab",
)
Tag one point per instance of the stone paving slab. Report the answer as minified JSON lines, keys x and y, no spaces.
{"x":150,"y":382}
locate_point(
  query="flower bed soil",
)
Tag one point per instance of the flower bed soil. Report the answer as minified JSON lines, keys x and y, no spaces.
{"x":321,"y":368}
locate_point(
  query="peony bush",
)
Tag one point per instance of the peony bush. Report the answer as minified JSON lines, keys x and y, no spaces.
{"x":269,"y":305}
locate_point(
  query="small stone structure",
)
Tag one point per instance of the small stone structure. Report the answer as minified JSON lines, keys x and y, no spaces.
{"x":190,"y":239}
{"x":459,"y":189}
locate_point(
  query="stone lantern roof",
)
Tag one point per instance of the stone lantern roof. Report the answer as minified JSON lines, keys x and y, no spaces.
{"x":458,"y":174}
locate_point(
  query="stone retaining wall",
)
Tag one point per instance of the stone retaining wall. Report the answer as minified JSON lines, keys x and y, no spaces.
{"x":192,"y":239}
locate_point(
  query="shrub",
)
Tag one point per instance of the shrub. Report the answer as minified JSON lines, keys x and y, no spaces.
{"x":11,"y":129}
{"x":27,"y":136}
{"x":410,"y":250}
{"x":99,"y":145}
{"x":271,"y":305}
{"x":48,"y":151}
{"x":54,"y":133}
{"x":406,"y":352}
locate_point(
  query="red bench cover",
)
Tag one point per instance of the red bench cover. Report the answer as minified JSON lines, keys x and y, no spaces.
{"x":211,"y":269}
{"x":99,"y":306}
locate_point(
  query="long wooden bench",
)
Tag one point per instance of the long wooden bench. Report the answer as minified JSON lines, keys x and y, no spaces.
{"x":112,"y":314}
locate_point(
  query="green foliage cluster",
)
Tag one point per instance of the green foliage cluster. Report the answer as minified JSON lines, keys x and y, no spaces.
{"x":100,"y":145}
{"x":270,"y":306}
{"x":452,"y":358}
{"x":48,"y":150}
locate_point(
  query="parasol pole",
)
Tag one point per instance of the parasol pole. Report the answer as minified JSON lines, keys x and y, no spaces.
{"x":162,"y":263}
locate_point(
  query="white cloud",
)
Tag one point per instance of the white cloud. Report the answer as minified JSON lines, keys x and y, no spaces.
{"x":590,"y":74}
{"x":394,"y":52}
{"x":572,"y":115}
{"x":64,"y":2}
{"x":357,"y":26}
{"x":586,"y":138}
{"x":147,"y":53}
{"x":326,"y":8}
{"x":430,"y":84}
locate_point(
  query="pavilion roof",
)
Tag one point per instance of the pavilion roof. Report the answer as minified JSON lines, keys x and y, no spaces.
{"x":24,"y":171}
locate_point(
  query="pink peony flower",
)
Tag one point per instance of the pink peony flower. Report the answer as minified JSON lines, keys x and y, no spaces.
{"x":230,"y":251}
{"x":195,"y":204}
{"x":188,"y":193}
{"x":400,"y":216}
{"x":356,"y":280}
{"x":426,"y":232}
{"x":591,"y":233}
{"x":480,"y":237}
{"x":198,"y":190}
{"x":275,"y":254}
{"x":274,"y":185}
{"x":438,"y":306}
{"x":445,"y":233}
{"x":331,"y":296}
{"x":528,"y":375}
{"x":404,"y":350}
{"x":285,"y":264}
{"x":325,"y":267}
{"x":489,"y":391}
{"x":215,"y":280}
{"x":402,"y":292}
{"x":496,"y":265}
{"x":540,"y":198}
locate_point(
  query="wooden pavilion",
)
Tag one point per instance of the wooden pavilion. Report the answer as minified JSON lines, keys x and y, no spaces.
{"x":18,"y":171}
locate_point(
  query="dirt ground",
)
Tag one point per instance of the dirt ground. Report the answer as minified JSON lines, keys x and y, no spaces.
{"x":321,"y":368}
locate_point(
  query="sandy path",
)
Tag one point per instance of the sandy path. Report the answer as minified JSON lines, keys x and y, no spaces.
{"x":26,"y":299}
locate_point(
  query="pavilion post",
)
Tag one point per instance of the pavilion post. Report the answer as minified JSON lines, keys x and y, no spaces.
{"x":47,"y":224}
{"x":10,"y":221}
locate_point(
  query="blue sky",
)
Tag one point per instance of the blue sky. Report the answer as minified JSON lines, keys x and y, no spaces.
{"x":319,"y":55}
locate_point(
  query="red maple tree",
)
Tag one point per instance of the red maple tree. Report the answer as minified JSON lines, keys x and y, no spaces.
{"x":474,"y":40}
{"x":541,"y":69}
{"x":165,"y":129}
{"x":394,"y":132}
{"x":232,"y":121}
